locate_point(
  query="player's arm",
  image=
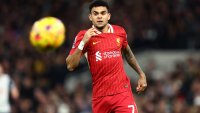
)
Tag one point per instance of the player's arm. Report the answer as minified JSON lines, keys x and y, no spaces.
{"x":74,"y":59}
{"x":14,"y":91}
{"x":142,"y":84}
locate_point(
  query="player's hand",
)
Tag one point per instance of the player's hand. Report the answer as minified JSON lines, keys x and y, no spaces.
{"x":142,"y":84}
{"x":89,"y":33}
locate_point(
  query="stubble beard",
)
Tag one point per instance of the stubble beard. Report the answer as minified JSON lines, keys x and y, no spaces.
{"x":100,"y":28}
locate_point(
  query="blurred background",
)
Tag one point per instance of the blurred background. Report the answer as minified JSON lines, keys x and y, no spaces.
{"x":163,"y":34}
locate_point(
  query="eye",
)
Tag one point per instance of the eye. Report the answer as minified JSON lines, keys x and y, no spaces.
{"x":95,"y":13}
{"x":103,"y":13}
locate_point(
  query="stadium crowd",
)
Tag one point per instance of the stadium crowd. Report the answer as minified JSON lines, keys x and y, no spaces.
{"x":150,"y":24}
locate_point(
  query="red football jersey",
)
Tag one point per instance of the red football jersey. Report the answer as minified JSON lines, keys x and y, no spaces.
{"x":105,"y":61}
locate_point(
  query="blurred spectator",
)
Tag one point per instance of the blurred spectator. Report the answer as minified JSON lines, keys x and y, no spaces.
{"x":7,"y":89}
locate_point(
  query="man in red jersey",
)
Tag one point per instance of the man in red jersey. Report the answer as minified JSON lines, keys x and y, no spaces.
{"x":103,"y":45}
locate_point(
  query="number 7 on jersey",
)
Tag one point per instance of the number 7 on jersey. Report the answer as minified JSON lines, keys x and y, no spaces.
{"x":133,"y":108}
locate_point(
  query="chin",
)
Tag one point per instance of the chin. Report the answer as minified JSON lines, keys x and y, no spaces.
{"x":100,"y":27}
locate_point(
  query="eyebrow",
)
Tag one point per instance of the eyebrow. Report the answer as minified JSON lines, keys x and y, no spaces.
{"x":99,"y":12}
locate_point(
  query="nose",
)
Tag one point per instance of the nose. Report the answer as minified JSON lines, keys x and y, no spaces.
{"x":99,"y":16}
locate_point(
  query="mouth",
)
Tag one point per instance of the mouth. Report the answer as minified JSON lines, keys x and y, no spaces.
{"x":100,"y":21}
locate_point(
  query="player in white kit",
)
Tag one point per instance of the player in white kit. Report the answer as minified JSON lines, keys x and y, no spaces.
{"x":7,"y":87}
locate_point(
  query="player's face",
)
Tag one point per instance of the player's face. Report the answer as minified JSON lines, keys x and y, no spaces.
{"x":99,"y":17}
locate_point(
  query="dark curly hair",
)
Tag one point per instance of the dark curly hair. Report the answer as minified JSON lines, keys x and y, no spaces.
{"x":97,"y":3}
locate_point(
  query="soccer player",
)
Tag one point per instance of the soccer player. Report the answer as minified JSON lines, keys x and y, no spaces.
{"x":7,"y":87}
{"x":103,"y":45}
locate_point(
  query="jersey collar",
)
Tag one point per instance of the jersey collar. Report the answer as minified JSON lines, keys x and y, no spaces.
{"x":110,"y":29}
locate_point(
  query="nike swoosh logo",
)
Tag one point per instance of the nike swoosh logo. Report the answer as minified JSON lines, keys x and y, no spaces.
{"x":94,"y":43}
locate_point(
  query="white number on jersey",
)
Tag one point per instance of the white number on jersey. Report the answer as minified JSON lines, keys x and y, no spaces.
{"x":133,"y":108}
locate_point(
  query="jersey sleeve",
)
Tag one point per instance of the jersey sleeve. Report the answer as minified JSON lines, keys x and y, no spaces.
{"x":125,"y":42}
{"x":77,"y":41}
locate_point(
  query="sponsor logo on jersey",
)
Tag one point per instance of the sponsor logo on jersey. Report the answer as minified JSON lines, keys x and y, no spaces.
{"x":106,"y":55}
{"x":98,"y":56}
{"x":111,"y":54}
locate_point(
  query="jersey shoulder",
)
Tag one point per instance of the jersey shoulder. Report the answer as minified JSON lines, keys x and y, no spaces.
{"x":79,"y":36}
{"x":119,"y":30}
{"x":81,"y":33}
{"x":5,"y":78}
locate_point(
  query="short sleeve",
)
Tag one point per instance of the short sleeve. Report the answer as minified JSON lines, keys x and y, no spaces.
{"x":77,"y":41}
{"x":125,"y":42}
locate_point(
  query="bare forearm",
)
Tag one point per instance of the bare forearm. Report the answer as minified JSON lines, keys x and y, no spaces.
{"x":134,"y":64}
{"x":15,"y":93}
{"x":142,"y":83}
{"x":73,"y":60}
{"x":132,"y":61}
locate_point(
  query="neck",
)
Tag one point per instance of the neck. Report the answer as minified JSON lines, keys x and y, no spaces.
{"x":103,"y":29}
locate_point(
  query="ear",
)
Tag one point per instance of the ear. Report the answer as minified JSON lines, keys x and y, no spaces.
{"x":90,"y":17}
{"x":109,"y":16}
